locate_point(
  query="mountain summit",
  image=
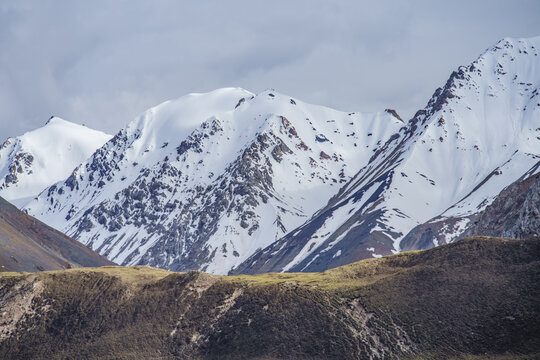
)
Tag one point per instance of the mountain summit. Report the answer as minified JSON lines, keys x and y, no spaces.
{"x":31,"y":162}
{"x":204,"y":181}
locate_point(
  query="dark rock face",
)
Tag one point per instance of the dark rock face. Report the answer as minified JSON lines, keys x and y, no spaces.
{"x":21,"y":163}
{"x":394,"y":113}
{"x":483,"y":290}
{"x":246,"y":183}
{"x":515,"y":213}
{"x":434,"y":232}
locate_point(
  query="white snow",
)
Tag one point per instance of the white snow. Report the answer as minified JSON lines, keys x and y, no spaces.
{"x":57,"y":148}
{"x":485,"y":129}
{"x":492,"y":123}
{"x":451,"y":234}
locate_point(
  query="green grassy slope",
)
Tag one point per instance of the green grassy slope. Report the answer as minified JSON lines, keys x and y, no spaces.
{"x":475,"y":299}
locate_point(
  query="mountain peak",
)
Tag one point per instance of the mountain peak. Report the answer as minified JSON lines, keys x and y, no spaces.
{"x":253,"y":167}
{"x":39,"y":158}
{"x":177,"y":118}
{"x":55,"y":120}
{"x":507,"y":50}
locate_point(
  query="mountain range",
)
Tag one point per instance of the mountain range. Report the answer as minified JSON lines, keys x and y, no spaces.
{"x":478,"y":135}
{"x":204,"y":181}
{"x":235,"y":182}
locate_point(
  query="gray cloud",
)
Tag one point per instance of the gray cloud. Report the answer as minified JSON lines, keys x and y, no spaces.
{"x":103,"y":62}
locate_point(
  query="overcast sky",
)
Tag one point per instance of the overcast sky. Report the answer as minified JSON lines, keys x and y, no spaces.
{"x":101,"y":63}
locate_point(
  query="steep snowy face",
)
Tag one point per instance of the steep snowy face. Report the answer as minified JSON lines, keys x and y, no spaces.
{"x":478,"y":134}
{"x":42,"y":157}
{"x":204,"y":181}
{"x":514,"y":213}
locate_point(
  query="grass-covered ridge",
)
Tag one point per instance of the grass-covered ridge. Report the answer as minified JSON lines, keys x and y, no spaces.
{"x":477,"y":299}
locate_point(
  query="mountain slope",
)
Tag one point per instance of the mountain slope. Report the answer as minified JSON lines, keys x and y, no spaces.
{"x":483,"y":290}
{"x":204,"y":181}
{"x":514,"y":213}
{"x":477,"y":135}
{"x":26,"y":244}
{"x":31,"y":162}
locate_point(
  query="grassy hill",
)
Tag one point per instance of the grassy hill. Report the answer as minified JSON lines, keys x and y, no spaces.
{"x":474,"y":299}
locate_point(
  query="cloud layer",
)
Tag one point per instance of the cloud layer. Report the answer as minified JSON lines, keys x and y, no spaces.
{"x":103,"y":62}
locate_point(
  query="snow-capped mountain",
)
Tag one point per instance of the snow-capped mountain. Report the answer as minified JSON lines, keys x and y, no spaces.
{"x":477,"y":135}
{"x":31,"y":162}
{"x":204,"y":181}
